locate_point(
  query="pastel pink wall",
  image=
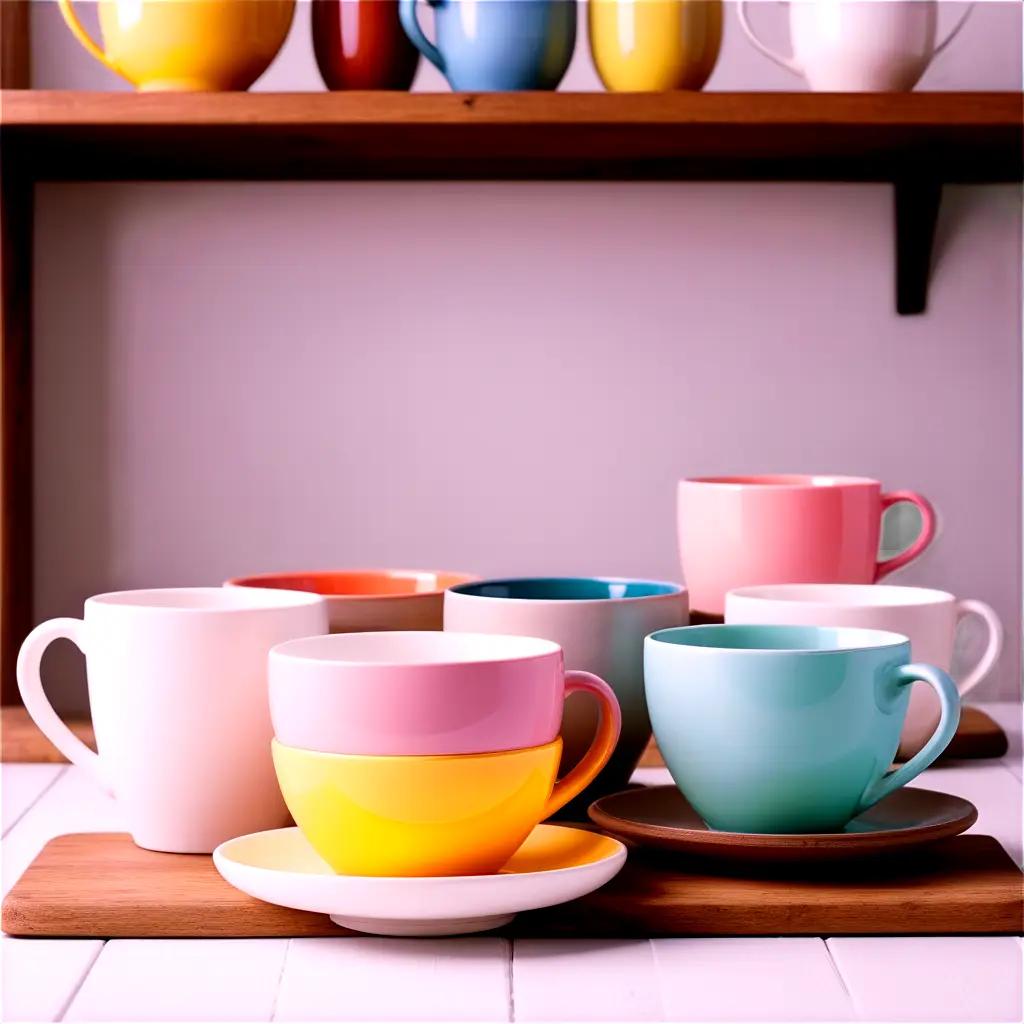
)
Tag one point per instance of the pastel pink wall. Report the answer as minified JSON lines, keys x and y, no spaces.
{"x":507,"y":377}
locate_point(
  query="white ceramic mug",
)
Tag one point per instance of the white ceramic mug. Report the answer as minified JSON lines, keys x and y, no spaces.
{"x":929,"y":618}
{"x":178,"y":692}
{"x":859,"y":45}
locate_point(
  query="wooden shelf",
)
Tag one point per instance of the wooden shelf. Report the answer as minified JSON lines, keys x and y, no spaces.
{"x":949,"y":137}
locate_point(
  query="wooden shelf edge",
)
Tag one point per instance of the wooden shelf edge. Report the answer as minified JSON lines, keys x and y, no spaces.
{"x":53,"y":108}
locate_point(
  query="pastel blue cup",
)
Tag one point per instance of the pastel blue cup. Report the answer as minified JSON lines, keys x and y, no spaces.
{"x":497,"y":45}
{"x":787,"y":729}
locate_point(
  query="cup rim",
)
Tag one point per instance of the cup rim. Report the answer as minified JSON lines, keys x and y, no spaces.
{"x":466,"y":589}
{"x":791,"y":594}
{"x":781,"y":481}
{"x":496,"y":648}
{"x":861,"y":639}
{"x":265,"y":580}
{"x":208,"y":600}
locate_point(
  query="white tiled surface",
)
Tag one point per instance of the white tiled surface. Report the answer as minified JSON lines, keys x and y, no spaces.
{"x":183,"y":980}
{"x":41,"y":976}
{"x":622,"y":980}
{"x":946,"y":978}
{"x":934,"y":978}
{"x":374,"y":979}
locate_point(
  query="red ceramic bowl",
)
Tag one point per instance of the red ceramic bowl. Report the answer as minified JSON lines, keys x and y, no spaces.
{"x":364,"y":600}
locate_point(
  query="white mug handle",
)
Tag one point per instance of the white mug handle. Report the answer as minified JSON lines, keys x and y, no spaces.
{"x":954,"y":32}
{"x":995,"y":641}
{"x":30,"y":684}
{"x":788,"y":63}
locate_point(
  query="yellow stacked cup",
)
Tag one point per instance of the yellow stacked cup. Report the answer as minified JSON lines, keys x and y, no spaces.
{"x":655,"y":45}
{"x":425,"y":753}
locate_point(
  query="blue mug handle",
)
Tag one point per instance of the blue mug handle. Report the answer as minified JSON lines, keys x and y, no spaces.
{"x":949,"y":718}
{"x":407,"y":14}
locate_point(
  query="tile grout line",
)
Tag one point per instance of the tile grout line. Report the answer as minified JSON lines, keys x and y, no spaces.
{"x":839,"y":977}
{"x":511,"y":979}
{"x":81,"y":981}
{"x":280,"y":979}
{"x":653,"y":947}
{"x":39,"y":796}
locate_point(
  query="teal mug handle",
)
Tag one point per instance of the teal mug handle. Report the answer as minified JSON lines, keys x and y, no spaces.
{"x":949,"y":718}
{"x":411,"y":24}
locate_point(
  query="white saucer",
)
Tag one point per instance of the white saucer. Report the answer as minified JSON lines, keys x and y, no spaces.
{"x":555,"y":864}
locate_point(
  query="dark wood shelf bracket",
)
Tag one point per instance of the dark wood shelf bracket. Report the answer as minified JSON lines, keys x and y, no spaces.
{"x":916,"y":204}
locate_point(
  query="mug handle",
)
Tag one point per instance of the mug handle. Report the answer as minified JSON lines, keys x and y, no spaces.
{"x":924,"y":538}
{"x":609,"y":726}
{"x":411,"y":24}
{"x":78,"y":31}
{"x":949,"y":718}
{"x":789,"y":63}
{"x":39,"y":708}
{"x":954,"y":32}
{"x":995,"y":641}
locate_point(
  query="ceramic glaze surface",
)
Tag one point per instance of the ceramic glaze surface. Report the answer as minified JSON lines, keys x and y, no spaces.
{"x":752,"y":530}
{"x":497,"y":45}
{"x":369,"y":599}
{"x":553,"y":865}
{"x":418,"y":816}
{"x":654,"y":45}
{"x":786,"y":728}
{"x":187,"y":44}
{"x":178,"y":692}
{"x":928,"y":618}
{"x":425,"y":693}
{"x":360,"y":44}
{"x":600,"y":624}
{"x":860,"y":45}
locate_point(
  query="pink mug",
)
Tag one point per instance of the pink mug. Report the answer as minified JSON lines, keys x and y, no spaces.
{"x":427,"y":693}
{"x":744,"y":531}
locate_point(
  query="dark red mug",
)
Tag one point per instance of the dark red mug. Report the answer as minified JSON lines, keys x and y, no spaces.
{"x":360,"y":44}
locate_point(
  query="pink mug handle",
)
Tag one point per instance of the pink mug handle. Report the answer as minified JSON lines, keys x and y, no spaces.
{"x":924,"y":538}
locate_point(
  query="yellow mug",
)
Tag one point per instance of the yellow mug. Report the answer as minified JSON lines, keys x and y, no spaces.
{"x":417,"y":815}
{"x":186,"y":45}
{"x":655,"y":45}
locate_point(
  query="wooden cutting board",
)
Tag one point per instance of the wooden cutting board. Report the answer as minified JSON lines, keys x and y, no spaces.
{"x":101,"y":885}
{"x":977,"y":736}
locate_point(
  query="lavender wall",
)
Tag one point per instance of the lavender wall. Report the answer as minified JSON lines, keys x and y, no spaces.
{"x":506,"y":377}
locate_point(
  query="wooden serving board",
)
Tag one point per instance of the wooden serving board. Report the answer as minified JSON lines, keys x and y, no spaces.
{"x":977,"y":736}
{"x":100,"y":885}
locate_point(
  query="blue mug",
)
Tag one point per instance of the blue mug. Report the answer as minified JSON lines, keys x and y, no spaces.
{"x":787,"y":729}
{"x":497,"y":45}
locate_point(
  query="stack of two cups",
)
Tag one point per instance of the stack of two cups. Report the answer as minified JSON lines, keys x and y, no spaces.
{"x":425,"y":753}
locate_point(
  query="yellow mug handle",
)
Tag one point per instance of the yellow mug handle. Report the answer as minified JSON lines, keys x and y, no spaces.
{"x":608,"y":728}
{"x":78,"y":31}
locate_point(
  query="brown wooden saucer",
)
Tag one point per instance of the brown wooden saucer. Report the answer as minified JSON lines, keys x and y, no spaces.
{"x":661,"y":817}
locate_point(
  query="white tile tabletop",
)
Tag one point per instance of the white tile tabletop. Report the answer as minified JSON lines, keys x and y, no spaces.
{"x":935,"y":978}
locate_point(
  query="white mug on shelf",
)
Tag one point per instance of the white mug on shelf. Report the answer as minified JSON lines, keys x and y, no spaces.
{"x":859,"y":45}
{"x":180,"y":706}
{"x":929,"y":618}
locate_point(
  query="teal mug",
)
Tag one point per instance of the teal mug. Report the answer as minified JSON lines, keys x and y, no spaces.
{"x":787,"y":729}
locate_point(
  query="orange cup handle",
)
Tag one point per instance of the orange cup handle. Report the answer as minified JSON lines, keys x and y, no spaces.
{"x":608,"y":728}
